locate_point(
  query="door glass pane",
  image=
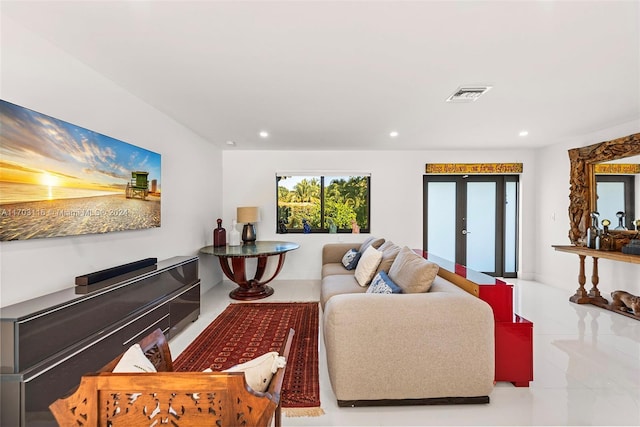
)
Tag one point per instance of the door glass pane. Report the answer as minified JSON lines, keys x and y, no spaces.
{"x":510,"y":227}
{"x":610,"y":201}
{"x":481,"y":226}
{"x":441,"y":219}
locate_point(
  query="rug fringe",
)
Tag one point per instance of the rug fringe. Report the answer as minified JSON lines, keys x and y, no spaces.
{"x":302,"y":412}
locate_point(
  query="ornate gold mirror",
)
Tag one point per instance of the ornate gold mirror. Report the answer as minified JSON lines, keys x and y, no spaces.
{"x":582,"y":194}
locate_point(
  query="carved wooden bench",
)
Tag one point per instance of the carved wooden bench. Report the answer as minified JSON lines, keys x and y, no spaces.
{"x":198,"y":399}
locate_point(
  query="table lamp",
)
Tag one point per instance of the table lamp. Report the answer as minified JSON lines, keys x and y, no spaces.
{"x":248,"y":215}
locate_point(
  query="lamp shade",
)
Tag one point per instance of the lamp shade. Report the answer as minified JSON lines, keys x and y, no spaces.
{"x":248,"y":214}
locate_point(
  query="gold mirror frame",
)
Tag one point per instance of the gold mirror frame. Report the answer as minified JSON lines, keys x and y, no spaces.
{"x":582,"y":193}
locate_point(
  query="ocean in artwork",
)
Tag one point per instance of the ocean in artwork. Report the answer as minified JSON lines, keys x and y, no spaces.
{"x":59,"y":179}
{"x":12,"y":192}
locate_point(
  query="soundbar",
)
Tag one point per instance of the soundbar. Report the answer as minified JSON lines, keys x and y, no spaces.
{"x":99,"y":276}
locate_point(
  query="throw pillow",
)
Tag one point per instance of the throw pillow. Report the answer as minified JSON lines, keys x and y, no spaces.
{"x":350,"y":259}
{"x":411,"y":272}
{"x":381,"y":284}
{"x":259,"y":371}
{"x":367,"y":266}
{"x":371,"y":241}
{"x":389,"y":254}
{"x":386,"y":245}
{"x":133,"y":360}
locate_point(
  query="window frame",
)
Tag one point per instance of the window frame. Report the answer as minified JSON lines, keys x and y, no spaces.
{"x":324,"y":229}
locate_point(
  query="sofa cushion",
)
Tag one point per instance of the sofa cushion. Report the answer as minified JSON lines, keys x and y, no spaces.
{"x":337,"y":285}
{"x":367,"y":265}
{"x":411,"y":272}
{"x":333,"y":252}
{"x":334,"y":268}
{"x":133,"y":361}
{"x":389,"y":252}
{"x":381,"y":284}
{"x":371,"y":241}
{"x":386,"y":245}
{"x":350,"y":259}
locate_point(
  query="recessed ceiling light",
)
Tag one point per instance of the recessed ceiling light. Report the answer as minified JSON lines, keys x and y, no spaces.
{"x":231,"y":143}
{"x":263,"y":134}
{"x":393,"y":134}
{"x":524,"y":133}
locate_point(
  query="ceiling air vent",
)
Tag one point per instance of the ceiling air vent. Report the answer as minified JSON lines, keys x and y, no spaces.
{"x":468,"y":94}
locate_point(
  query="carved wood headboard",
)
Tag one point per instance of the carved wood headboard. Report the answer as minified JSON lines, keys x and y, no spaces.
{"x":582,"y":195}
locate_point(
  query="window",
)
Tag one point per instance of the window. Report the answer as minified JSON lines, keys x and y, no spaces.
{"x":323,"y":202}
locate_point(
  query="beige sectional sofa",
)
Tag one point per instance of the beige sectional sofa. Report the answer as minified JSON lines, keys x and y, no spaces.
{"x":408,"y":348}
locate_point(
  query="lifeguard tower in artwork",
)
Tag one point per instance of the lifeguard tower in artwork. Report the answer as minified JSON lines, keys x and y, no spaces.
{"x":139,"y":185}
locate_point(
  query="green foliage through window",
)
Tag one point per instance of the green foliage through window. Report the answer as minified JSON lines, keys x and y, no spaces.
{"x":323,"y":201}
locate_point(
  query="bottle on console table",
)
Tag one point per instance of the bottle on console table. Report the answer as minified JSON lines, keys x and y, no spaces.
{"x":234,"y":235}
{"x":593,"y":232}
{"x":606,"y":240}
{"x":219,"y":235}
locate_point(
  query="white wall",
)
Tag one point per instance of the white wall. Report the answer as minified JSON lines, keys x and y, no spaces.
{"x":561,"y":269}
{"x":37,"y":75}
{"x":396,"y":195}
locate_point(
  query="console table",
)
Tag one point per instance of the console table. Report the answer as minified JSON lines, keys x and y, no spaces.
{"x":593,"y":296}
{"x":513,"y":333}
{"x":49,"y":342}
{"x":233,"y":259}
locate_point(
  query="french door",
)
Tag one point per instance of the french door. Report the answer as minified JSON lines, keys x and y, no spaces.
{"x":473,"y":220}
{"x":616,"y":193}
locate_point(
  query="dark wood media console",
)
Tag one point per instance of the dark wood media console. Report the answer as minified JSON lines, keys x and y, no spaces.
{"x":49,"y":342}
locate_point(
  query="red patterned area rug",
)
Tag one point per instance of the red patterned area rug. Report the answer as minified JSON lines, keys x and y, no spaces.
{"x":244,"y":331}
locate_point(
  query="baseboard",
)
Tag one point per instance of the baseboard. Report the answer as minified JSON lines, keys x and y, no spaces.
{"x":406,"y":402}
{"x":526,"y":275}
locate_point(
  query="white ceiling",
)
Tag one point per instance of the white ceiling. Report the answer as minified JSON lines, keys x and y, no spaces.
{"x":342,"y":75}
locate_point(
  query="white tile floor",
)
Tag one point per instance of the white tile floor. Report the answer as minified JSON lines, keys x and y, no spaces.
{"x":586,"y":367}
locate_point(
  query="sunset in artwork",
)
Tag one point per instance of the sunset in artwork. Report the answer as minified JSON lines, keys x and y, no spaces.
{"x":53,"y":172}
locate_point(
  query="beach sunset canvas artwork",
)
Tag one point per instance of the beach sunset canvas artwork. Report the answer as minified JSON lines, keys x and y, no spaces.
{"x":58,"y":179}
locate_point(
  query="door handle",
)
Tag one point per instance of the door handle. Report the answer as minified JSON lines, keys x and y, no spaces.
{"x":466,"y":232}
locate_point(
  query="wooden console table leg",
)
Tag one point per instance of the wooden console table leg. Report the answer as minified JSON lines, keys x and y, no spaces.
{"x":595,"y":279}
{"x":594,"y":293}
{"x":581,"y":296}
